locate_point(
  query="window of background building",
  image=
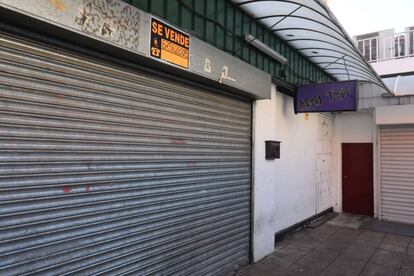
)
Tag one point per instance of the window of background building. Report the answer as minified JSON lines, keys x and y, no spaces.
{"x":411,"y":40}
{"x":399,"y":45}
{"x":369,"y":48}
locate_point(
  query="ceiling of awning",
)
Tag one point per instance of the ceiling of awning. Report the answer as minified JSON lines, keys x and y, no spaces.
{"x":310,"y":27}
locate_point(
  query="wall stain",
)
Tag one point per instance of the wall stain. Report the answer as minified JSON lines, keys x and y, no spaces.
{"x":58,"y":5}
{"x":178,"y":141}
{"x":111,"y":20}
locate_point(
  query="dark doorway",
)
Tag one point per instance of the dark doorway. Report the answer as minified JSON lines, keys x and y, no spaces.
{"x":357,"y":178}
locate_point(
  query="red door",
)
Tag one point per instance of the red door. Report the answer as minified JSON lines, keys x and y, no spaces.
{"x":357,"y":178}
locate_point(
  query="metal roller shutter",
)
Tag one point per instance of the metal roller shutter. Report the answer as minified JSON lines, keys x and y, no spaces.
{"x":397,"y":173}
{"x":106,"y":170}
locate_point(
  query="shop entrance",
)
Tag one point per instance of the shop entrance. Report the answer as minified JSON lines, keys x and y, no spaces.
{"x":109,"y":169}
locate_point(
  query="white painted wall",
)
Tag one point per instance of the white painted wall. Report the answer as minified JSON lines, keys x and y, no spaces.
{"x":284,"y":189}
{"x":324,"y":164}
{"x":355,"y":127}
{"x":288,"y":190}
{"x":395,"y":114}
{"x":264,"y":128}
{"x":295,"y":189}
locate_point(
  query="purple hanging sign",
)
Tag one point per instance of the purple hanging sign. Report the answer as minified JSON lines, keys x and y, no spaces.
{"x":326,"y":97}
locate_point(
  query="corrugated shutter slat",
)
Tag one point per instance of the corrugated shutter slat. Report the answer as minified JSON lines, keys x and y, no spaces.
{"x":397,"y":173}
{"x":109,"y":170}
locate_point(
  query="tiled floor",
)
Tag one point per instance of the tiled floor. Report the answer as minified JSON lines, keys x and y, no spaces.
{"x":338,"y":250}
{"x":349,"y":220}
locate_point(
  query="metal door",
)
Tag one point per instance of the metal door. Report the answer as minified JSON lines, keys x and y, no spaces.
{"x":109,"y":170}
{"x":397,"y":173}
{"x":358,"y":178}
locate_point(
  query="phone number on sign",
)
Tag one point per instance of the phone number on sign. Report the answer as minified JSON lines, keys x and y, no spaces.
{"x":174,"y":48}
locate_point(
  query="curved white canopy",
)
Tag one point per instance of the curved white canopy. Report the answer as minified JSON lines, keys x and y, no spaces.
{"x":400,"y":85}
{"x":310,"y":27}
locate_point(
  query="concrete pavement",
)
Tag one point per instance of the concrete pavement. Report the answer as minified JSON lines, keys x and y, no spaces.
{"x":331,"y":249}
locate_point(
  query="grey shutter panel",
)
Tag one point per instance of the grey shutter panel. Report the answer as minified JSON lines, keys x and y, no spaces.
{"x":108,"y":170}
{"x":397,"y":173}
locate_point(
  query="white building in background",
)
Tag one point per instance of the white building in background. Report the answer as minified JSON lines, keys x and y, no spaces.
{"x":391,"y":54}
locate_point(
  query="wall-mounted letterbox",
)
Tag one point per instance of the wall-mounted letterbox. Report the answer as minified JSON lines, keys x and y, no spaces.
{"x":272,"y":150}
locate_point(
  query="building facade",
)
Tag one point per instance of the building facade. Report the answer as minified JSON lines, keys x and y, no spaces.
{"x":391,"y":54}
{"x":134,"y":132}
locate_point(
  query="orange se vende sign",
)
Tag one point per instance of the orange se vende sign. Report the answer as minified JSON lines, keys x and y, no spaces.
{"x":169,"y":44}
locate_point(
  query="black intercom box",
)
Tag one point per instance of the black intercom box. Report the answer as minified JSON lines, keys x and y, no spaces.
{"x":272,"y":150}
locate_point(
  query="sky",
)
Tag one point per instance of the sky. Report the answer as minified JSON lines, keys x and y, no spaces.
{"x":364,"y":16}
